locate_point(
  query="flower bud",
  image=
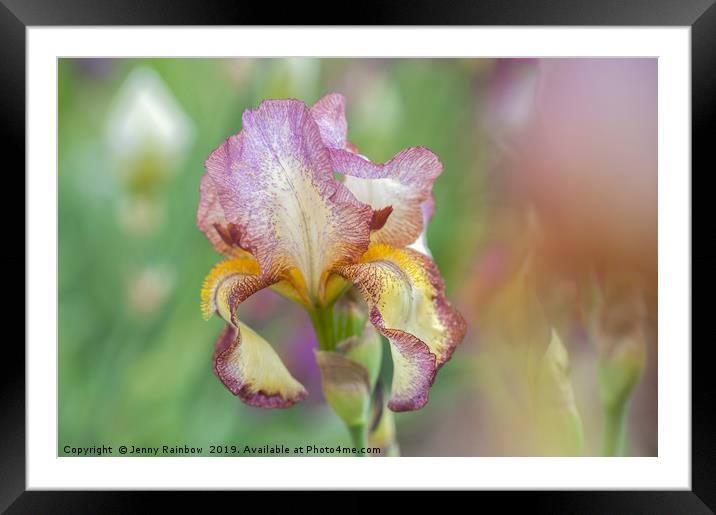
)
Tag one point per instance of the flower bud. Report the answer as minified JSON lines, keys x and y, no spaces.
{"x":617,"y":327}
{"x":383,"y":435}
{"x":618,"y":331}
{"x":346,"y":386}
{"x":366,"y":350}
{"x":562,"y":425}
{"x":349,"y":319}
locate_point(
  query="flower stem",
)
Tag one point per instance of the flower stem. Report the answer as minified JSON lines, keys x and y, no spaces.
{"x":325,"y":329}
{"x":322,"y":318}
{"x":618,"y":378}
{"x":359,"y":437}
{"x":614,"y":427}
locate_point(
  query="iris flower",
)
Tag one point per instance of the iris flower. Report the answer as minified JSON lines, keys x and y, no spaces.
{"x":292,"y":206}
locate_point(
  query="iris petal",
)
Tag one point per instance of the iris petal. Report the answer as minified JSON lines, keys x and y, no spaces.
{"x":246,"y":364}
{"x":421,"y":244}
{"x":250,"y":368}
{"x":274,"y":181}
{"x":404,"y":183}
{"x":405,"y":295}
{"x":224,"y":236}
{"x":330,"y":116}
{"x":398,"y":191}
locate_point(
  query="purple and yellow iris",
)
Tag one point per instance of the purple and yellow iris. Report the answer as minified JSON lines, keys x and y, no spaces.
{"x":271,"y":204}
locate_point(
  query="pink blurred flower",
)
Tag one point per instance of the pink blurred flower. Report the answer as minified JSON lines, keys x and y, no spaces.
{"x":587,"y":160}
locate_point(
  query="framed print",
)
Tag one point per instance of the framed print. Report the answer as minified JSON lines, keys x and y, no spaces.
{"x":344,"y":258}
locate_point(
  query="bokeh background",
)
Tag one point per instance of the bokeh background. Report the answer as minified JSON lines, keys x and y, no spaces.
{"x":548,"y":194}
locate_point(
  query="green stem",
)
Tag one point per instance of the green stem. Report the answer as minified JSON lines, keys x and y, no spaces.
{"x":325,"y":328}
{"x":359,"y":437}
{"x":614,"y":428}
{"x":322,"y":318}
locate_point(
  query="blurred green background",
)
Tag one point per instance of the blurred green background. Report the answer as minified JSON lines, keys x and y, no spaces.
{"x":135,"y":355}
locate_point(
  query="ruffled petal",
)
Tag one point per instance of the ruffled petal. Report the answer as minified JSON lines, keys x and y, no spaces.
{"x":275,"y":182}
{"x":405,"y":294}
{"x":246,"y":364}
{"x":404,"y":190}
{"x":330,"y":116}
{"x":225,"y":237}
{"x":404,"y":183}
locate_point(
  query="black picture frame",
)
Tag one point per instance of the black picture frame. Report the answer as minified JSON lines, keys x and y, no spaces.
{"x":17,"y":15}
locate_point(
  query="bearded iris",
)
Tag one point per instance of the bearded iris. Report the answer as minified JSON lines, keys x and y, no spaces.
{"x":271,"y":203}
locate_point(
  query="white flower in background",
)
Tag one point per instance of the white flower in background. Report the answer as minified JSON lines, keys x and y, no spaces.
{"x":147,"y":133}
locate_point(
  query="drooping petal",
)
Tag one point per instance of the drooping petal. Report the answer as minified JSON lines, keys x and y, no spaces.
{"x":225,"y":237}
{"x":246,"y":364}
{"x":404,"y":184}
{"x":330,"y":116}
{"x":405,"y":294}
{"x":414,"y":371}
{"x":250,"y":368}
{"x":275,"y":182}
